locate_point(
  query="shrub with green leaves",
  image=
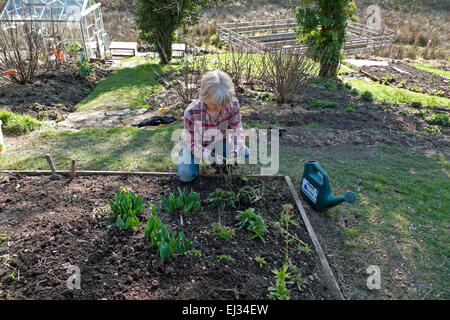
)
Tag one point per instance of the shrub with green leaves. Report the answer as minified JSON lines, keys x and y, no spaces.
{"x":84,"y":67}
{"x":74,"y":47}
{"x":253,"y":222}
{"x":158,"y":235}
{"x":17,"y":123}
{"x":125,"y":207}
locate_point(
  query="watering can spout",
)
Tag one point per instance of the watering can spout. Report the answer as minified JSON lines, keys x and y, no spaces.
{"x":335,"y":201}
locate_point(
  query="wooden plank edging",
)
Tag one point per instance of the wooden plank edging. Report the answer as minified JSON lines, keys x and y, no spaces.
{"x":325,"y":266}
{"x":124,"y":173}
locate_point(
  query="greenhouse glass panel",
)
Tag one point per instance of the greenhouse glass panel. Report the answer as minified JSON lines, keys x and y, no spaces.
{"x":69,"y":20}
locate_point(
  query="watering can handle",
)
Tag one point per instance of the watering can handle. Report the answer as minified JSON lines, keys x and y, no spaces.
{"x":322,"y":172}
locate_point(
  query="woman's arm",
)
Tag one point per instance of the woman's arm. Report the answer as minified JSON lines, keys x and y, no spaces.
{"x":236,"y":125}
{"x":189,"y":137}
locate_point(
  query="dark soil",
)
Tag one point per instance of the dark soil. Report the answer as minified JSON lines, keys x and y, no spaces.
{"x":428,"y":82}
{"x":50,"y":225}
{"x":364,"y":116}
{"x":258,"y":108}
{"x":54,"y":94}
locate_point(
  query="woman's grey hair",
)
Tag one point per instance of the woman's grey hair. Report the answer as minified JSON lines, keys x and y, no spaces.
{"x":217,"y":88}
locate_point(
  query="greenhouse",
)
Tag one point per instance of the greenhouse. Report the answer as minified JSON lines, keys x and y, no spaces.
{"x":60,"y":23}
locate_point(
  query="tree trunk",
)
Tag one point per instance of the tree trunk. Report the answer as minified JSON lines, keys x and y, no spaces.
{"x":329,"y":69}
{"x":164,"y":46}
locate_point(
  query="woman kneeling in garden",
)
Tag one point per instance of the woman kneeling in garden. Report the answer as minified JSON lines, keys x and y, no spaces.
{"x":212,"y":127}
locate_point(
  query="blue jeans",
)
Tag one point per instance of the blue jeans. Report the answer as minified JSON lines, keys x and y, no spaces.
{"x":189,"y":171}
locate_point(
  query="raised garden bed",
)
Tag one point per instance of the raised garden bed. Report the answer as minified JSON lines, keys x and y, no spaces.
{"x":408,"y":77}
{"x":49,"y":225}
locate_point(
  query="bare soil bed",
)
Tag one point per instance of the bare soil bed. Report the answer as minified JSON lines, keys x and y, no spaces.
{"x":365,"y":115}
{"x":54,"y":94}
{"x":50,"y":225}
{"x":413,"y":78}
{"x":257,"y":106}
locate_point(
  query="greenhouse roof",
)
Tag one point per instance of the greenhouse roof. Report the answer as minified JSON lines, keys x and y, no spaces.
{"x":47,"y":10}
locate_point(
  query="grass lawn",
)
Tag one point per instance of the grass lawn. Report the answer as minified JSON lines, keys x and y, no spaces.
{"x":128,"y":149}
{"x":401,"y":217}
{"x":431,"y":69}
{"x":127,"y":87}
{"x":393,"y":95}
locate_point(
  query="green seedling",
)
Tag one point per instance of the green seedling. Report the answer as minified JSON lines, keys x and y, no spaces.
{"x":173,"y":203}
{"x":304,"y":248}
{"x":389,"y":78}
{"x":125,"y":207}
{"x":286,"y":219}
{"x":415,"y":89}
{"x":190,"y":202}
{"x":158,"y":235}
{"x":253,"y":222}
{"x":401,"y":84}
{"x":2,"y":238}
{"x":195,"y":253}
{"x":223,"y":232}
{"x":260,"y":260}
{"x":438,"y":118}
{"x":282,"y":278}
{"x":221,"y":199}
{"x":253,"y":194}
{"x":186,"y":202}
{"x":313,"y":102}
{"x":297,"y":277}
{"x":225,"y":257}
{"x":366,"y":95}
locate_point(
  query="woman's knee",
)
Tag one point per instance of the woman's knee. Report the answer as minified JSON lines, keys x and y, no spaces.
{"x":187,"y":173}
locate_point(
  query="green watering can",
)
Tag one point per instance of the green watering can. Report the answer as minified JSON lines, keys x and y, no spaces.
{"x":316,"y":189}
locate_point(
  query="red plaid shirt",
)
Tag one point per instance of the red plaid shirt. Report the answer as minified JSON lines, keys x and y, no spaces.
{"x":197,"y":121}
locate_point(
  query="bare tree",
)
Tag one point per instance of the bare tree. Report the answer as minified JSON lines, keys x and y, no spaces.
{"x":184,"y":77}
{"x":286,"y":71}
{"x":19,"y":49}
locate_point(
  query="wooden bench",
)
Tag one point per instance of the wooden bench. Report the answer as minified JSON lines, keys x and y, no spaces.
{"x":123,"y":48}
{"x":178,"y":49}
